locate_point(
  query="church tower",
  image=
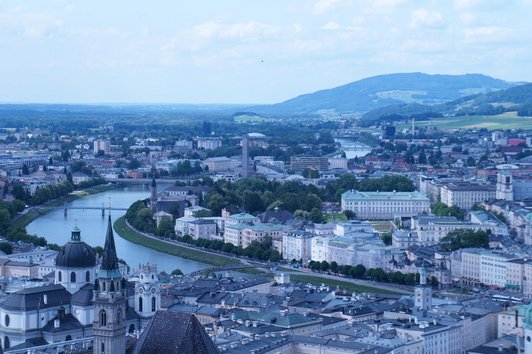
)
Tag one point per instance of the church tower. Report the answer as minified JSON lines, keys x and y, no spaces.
{"x":423,"y":292}
{"x":505,"y":190}
{"x":109,"y":329}
{"x":147,"y":291}
{"x":153,"y":197}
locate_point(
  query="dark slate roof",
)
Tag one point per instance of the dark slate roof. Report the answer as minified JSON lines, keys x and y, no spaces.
{"x":109,"y":266}
{"x":33,"y":298}
{"x":83,"y":297}
{"x":76,"y":254}
{"x":33,"y":342}
{"x":174,"y":332}
{"x":67,"y":323}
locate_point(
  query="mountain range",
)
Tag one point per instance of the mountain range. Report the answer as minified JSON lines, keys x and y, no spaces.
{"x":414,"y":90}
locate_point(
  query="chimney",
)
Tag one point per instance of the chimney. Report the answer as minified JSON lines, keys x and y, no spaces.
{"x":57,"y":323}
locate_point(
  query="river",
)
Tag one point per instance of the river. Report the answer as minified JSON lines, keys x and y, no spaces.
{"x":56,"y":228}
{"x":353,"y":148}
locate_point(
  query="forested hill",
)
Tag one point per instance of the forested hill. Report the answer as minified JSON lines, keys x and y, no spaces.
{"x":518,"y":98}
{"x":386,"y":90}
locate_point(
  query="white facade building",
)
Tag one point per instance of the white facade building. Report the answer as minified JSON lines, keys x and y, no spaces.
{"x":385,"y":205}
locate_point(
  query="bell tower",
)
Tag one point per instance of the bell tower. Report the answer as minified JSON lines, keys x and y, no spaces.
{"x":109,"y":329}
{"x":147,"y":291}
{"x":505,"y":190}
{"x":423,"y":292}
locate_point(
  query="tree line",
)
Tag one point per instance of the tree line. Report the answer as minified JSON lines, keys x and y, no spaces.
{"x":360,"y":272}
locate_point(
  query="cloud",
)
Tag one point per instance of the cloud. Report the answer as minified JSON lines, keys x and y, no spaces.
{"x":481,"y":4}
{"x":331,"y":25}
{"x":29,"y":24}
{"x":322,"y":6}
{"x":215,"y":29}
{"x":486,"y":34}
{"x":426,"y":18}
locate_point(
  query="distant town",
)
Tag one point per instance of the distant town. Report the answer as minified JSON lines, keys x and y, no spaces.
{"x":316,"y":235}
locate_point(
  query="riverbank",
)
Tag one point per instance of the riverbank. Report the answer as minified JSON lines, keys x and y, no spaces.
{"x":40,"y":210}
{"x":127,"y":233}
{"x":319,"y":280}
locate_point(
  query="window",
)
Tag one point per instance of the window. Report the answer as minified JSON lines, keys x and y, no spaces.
{"x":103,"y":318}
{"x":69,"y":337}
{"x":103,"y":347}
{"x":7,"y":320}
{"x":87,"y":276}
{"x":131,"y":329}
{"x":6,"y":342}
{"x":140,"y":304}
{"x":119,"y":316}
{"x":73,"y":277}
{"x":153,"y":303}
{"x":60,"y":276}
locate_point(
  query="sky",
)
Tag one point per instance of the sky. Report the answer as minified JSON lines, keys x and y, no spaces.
{"x":247,"y":51}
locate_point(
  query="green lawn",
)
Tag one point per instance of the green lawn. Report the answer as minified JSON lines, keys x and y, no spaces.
{"x":195,"y":255}
{"x":316,"y":280}
{"x":507,"y":120}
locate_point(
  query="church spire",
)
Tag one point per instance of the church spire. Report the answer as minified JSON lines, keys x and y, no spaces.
{"x":109,"y":267}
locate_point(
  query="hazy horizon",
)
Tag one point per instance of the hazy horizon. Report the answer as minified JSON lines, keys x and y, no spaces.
{"x":209,"y":52}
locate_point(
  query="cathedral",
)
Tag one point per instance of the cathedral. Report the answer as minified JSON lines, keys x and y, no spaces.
{"x":90,"y":298}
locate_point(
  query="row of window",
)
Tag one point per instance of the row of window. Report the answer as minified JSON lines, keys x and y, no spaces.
{"x":73,"y":276}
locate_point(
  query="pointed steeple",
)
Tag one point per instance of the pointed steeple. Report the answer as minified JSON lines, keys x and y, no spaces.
{"x":109,"y":268}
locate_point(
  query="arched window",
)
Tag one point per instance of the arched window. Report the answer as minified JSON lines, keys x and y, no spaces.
{"x":6,"y":342}
{"x":119,"y":316}
{"x":7,"y":320}
{"x":103,"y":318}
{"x":60,"y":276}
{"x":103,"y":347}
{"x":69,"y":337}
{"x":131,"y":329}
{"x":73,"y":277}
{"x":87,"y":276}
{"x":153,"y":303}
{"x":140,"y":304}
{"x":103,"y":286}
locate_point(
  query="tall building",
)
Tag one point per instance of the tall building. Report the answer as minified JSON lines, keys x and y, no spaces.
{"x":153,"y":196}
{"x":423,"y":292}
{"x":245,"y":156}
{"x":109,"y":329}
{"x":103,"y":145}
{"x":504,"y":189}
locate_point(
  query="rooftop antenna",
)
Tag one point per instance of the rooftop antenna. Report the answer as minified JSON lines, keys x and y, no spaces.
{"x":109,"y":205}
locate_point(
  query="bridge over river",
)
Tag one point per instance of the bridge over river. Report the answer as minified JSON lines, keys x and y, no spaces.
{"x":103,"y":208}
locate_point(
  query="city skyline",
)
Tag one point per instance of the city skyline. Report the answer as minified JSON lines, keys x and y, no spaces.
{"x":208,"y":52}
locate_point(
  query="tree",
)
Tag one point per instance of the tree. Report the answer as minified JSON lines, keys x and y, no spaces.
{"x":422,"y":158}
{"x":134,"y":164}
{"x":387,"y":238}
{"x":315,"y":216}
{"x":25,"y":170}
{"x":165,"y":228}
{"x":471,"y":161}
{"x":6,"y":247}
{"x":100,"y":153}
{"x":334,"y":267}
{"x":252,"y":202}
{"x":5,"y":220}
{"x":177,"y":271}
{"x":457,"y":239}
{"x":324,"y":266}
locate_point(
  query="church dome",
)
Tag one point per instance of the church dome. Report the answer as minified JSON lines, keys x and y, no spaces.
{"x":76,"y":254}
